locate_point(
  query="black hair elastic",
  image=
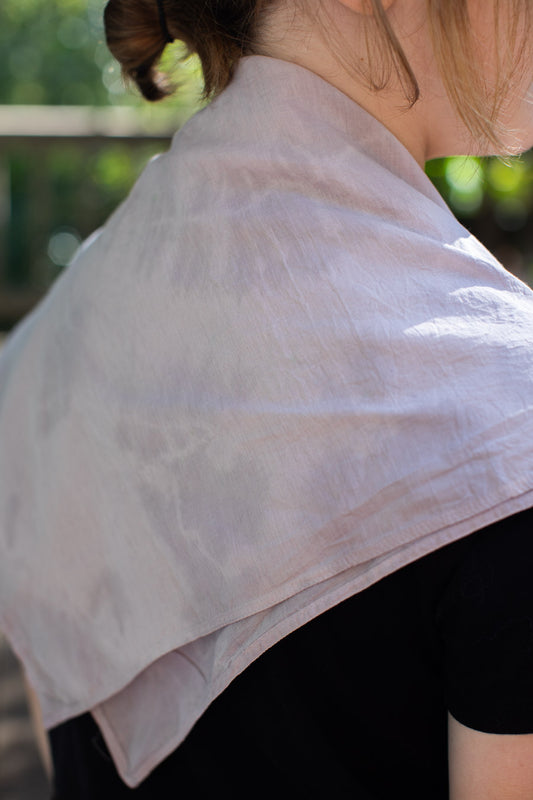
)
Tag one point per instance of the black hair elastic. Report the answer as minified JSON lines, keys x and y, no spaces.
{"x":163,"y":22}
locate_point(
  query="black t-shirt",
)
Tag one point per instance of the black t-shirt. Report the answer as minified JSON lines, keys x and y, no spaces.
{"x":354,"y":704}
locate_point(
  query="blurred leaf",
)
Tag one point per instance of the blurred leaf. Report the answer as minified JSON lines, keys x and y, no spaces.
{"x":507,"y":178}
{"x":55,"y":54}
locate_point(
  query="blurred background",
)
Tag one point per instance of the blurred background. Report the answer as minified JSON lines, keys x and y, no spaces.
{"x":73,"y":139}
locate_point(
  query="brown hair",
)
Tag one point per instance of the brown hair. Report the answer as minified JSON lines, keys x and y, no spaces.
{"x":478,"y":103}
{"x":220,"y":32}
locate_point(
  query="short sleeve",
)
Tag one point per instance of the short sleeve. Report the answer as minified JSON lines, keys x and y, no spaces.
{"x":485,"y":619}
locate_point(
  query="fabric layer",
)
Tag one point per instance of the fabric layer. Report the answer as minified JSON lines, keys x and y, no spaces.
{"x":355,"y":703}
{"x":280,"y":372}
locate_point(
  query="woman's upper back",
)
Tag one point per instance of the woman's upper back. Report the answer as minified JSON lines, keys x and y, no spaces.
{"x":260,"y":388}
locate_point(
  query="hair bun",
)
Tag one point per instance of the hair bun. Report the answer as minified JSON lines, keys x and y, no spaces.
{"x":219,"y":31}
{"x":136,"y":38}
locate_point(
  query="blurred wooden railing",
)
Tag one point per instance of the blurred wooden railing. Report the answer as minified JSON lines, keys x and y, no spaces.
{"x":29,"y":133}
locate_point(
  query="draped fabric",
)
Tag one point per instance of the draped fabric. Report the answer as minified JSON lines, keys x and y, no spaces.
{"x":281,"y":371}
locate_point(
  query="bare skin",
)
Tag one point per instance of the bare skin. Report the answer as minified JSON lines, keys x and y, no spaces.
{"x":301,"y":40}
{"x":41,"y":737}
{"x":486,"y":766}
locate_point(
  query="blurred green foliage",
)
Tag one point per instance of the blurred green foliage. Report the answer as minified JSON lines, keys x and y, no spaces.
{"x":53,"y":196}
{"x":55,"y":54}
{"x":59,"y":196}
{"x":467,"y":183}
{"x":493,"y":198}
{"x":51,"y":52}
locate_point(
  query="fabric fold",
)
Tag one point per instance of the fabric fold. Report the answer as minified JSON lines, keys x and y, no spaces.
{"x":281,"y":371}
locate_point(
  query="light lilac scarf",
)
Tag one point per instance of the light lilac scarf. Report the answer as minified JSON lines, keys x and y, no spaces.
{"x":280,"y":372}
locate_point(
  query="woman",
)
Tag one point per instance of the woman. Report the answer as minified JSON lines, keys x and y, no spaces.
{"x":266,"y":446}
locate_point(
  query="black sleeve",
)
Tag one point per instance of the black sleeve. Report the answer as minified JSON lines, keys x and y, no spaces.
{"x":485,"y":619}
